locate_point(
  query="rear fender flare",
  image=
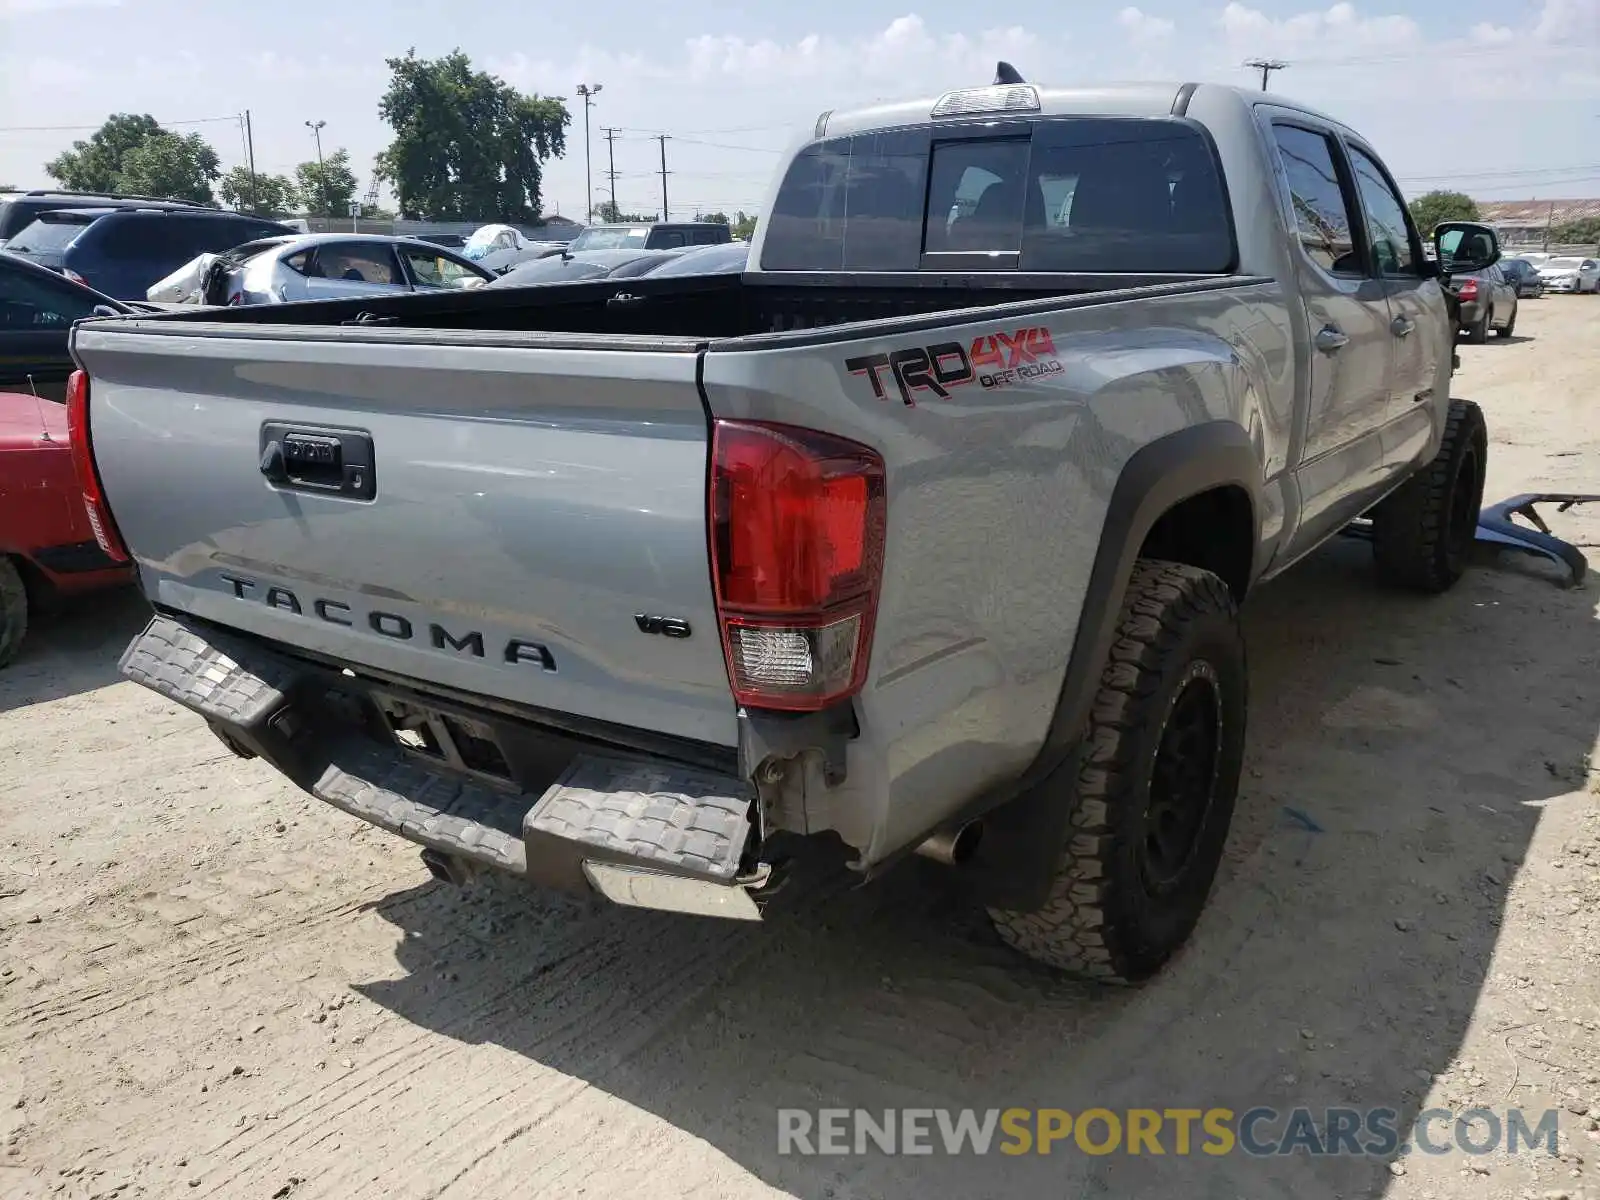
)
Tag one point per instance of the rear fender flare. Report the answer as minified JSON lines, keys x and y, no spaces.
{"x":1025,"y":824}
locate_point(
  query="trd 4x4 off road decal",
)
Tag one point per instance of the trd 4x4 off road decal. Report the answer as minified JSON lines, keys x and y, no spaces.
{"x":995,"y":360}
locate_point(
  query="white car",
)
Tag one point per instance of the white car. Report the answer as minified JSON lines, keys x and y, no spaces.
{"x":322,"y":266}
{"x":501,"y":247}
{"x":1571,"y":275}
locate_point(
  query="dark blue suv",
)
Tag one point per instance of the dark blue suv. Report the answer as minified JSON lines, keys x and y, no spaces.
{"x":122,"y":252}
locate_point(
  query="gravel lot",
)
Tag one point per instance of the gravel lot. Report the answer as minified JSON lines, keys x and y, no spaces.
{"x":213,"y":986}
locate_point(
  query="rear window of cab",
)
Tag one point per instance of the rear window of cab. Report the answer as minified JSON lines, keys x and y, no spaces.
{"x":1085,"y":194}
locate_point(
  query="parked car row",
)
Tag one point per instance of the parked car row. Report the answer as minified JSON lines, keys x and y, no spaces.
{"x":121,"y":246}
{"x":66,"y":256}
{"x":1488,"y":299}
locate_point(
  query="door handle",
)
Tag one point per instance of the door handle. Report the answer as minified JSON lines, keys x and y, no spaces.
{"x":1330,"y":338}
{"x":1401,"y":326}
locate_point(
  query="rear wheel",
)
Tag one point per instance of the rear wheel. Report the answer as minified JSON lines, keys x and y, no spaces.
{"x":1509,"y":326}
{"x":13,"y":610}
{"x":1478,"y":333}
{"x":1422,"y":534}
{"x":1153,"y":793}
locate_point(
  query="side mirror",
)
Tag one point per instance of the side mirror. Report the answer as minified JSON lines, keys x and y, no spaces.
{"x":1465,"y":246}
{"x":105,"y":310}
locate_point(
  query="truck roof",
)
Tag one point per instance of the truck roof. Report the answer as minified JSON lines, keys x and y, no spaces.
{"x":1112,"y":99}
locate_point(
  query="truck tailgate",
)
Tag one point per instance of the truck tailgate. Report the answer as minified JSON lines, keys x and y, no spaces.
{"x":529,"y":504}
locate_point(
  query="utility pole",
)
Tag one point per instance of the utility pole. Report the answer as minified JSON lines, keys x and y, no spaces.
{"x":322,"y":181}
{"x":1266,"y":66}
{"x":250,"y":157}
{"x":662,"y":138}
{"x":1549,"y":220}
{"x":588,"y":91}
{"x":611,"y":158}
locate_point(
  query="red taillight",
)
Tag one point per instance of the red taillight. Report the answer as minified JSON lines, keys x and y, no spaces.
{"x":797,"y":523}
{"x":94,"y":501}
{"x":74,"y":276}
{"x":1468,"y":289}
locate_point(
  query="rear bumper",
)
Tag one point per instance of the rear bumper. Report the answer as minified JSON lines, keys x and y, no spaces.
{"x":81,"y":567}
{"x":639,"y":830}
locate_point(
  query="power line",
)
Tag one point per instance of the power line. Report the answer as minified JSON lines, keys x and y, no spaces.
{"x":1466,"y":176}
{"x":80,"y":128}
{"x":1520,"y":49}
{"x":726,"y":146}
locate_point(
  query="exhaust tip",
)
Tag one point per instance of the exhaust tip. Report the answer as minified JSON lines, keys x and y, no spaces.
{"x":954,"y":846}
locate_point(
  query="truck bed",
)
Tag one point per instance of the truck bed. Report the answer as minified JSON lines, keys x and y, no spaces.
{"x":709,"y":308}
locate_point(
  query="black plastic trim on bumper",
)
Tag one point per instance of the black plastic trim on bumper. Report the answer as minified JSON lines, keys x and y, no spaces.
{"x":644,"y":814}
{"x":77,"y":559}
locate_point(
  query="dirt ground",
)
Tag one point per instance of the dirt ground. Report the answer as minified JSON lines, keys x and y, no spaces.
{"x":213,"y":986}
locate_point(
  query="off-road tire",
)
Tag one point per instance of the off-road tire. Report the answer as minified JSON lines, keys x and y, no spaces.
{"x":1478,"y":332}
{"x":1422,"y":534}
{"x":13,"y":610}
{"x":1105,"y":918}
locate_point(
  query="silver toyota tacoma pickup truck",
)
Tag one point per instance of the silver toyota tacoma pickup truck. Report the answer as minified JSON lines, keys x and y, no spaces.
{"x":934,"y":524}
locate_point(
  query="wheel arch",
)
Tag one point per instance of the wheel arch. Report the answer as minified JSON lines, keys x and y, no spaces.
{"x":1159,"y":500}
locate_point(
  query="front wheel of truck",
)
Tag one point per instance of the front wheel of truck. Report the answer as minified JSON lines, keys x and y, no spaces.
{"x":1422,"y":534}
{"x":1153,"y":789}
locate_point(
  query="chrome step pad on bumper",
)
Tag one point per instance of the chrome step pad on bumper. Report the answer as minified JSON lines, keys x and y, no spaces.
{"x":645,"y":832}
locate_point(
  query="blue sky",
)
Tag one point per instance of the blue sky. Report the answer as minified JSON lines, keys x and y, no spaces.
{"x":1501,"y":99}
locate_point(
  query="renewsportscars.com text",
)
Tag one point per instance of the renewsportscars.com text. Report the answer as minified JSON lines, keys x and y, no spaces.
{"x":1259,"y":1132}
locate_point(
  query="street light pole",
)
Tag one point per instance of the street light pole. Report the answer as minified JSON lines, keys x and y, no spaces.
{"x":588,"y":91}
{"x":322,"y":182}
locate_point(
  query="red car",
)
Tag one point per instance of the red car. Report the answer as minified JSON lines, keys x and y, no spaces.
{"x":47,"y":547}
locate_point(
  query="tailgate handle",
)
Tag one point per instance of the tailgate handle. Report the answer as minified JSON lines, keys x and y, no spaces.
{"x":336,"y":462}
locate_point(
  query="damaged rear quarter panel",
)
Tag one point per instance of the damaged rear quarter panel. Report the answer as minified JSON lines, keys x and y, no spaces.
{"x":998,"y":490}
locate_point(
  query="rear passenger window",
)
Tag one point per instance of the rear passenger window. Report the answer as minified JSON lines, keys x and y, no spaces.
{"x":121,"y":237}
{"x":353,"y":262}
{"x":852,"y":204}
{"x":1110,"y":196}
{"x":1321,"y":209}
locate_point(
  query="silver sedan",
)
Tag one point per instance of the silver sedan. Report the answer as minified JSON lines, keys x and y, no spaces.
{"x":325,"y":266}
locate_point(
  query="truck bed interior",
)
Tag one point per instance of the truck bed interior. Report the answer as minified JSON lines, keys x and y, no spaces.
{"x":712,"y":307}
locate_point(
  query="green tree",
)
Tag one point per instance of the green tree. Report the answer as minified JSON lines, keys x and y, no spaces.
{"x":326,"y":188}
{"x":744,"y":226}
{"x":1577,"y":232}
{"x":467,"y":145}
{"x":1429,"y":210}
{"x":96,"y":165}
{"x":612,"y":214}
{"x":266,"y":196}
{"x":716,"y":218}
{"x":182,"y":166}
